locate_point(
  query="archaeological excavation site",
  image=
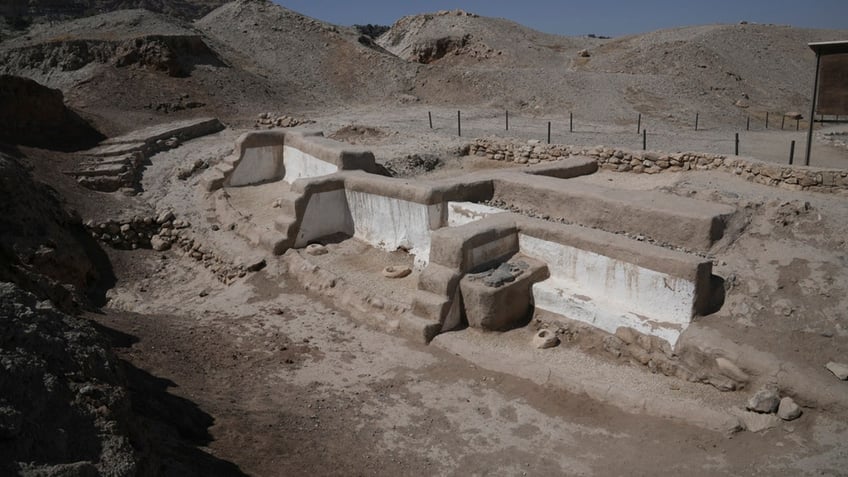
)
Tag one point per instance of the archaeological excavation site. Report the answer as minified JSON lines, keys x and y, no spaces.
{"x":238,"y":240}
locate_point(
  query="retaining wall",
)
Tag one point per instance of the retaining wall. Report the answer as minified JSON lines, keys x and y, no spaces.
{"x":655,"y":162}
{"x":269,"y":156}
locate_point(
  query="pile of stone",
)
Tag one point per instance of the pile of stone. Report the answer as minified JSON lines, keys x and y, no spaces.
{"x":162,"y":232}
{"x":765,"y":409}
{"x":271,"y":120}
{"x":655,"y":162}
{"x":155,"y":231}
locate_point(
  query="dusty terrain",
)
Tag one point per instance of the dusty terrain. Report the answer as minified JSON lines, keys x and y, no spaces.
{"x":257,"y":375}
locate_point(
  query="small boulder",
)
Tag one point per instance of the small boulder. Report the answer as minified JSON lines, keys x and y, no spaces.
{"x":788,"y":410}
{"x":165,"y":216}
{"x":764,"y":401}
{"x":159,"y":243}
{"x":583,"y":54}
{"x":545,"y":338}
{"x":756,"y":422}
{"x":316,"y":249}
{"x":839,"y":370}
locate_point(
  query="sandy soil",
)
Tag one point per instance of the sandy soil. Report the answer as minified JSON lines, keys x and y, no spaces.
{"x":308,"y":390}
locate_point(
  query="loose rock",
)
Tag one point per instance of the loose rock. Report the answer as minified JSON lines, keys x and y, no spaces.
{"x":838,"y":369}
{"x":545,"y":338}
{"x":316,"y":249}
{"x":159,"y":244}
{"x":765,"y":401}
{"x":788,"y":410}
{"x":756,"y":422}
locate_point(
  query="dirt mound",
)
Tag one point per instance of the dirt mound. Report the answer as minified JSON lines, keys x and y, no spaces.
{"x":32,"y":114}
{"x":412,"y":165}
{"x":355,"y":134}
{"x":63,"y":410}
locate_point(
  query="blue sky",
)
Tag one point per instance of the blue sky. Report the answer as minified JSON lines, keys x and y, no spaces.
{"x":602,"y":17}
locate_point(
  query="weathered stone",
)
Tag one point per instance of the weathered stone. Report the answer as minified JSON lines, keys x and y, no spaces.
{"x":788,"y":410}
{"x":164,"y":216}
{"x":839,"y":370}
{"x":159,"y":243}
{"x":545,"y":338}
{"x":316,"y":249}
{"x":396,"y":271}
{"x":756,"y":422}
{"x":765,"y":400}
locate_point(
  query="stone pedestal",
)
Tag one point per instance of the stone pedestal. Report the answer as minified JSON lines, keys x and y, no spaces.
{"x":498,"y":299}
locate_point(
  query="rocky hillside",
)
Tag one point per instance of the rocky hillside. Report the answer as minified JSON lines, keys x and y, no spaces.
{"x":312,"y":61}
{"x":462,"y":38}
{"x":761,"y":67}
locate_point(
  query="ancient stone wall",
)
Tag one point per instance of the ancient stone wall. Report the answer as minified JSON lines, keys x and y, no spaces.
{"x":655,"y":162}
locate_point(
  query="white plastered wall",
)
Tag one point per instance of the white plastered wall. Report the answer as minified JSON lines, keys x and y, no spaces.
{"x":257,"y":165}
{"x":389,"y":223}
{"x":299,"y":164}
{"x":326,"y":213}
{"x":609,"y":293}
{"x":461,"y":213}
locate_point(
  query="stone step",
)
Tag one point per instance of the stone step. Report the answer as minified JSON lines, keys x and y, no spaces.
{"x":430,"y":305}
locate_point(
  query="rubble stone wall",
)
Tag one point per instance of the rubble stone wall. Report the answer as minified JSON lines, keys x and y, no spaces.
{"x":655,"y":162}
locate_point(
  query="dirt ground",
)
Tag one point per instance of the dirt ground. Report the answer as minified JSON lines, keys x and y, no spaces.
{"x":262,"y":377}
{"x":289,"y":385}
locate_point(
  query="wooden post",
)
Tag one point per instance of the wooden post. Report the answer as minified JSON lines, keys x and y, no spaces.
{"x":782,"y":120}
{"x":797,"y":124}
{"x":430,"y":117}
{"x":813,"y":110}
{"x":748,"y":123}
{"x":644,"y":139}
{"x":736,"y":149}
{"x":766,"y":119}
{"x":696,"y":121}
{"x":639,"y":124}
{"x":507,"y":120}
{"x":791,"y":152}
{"x":570,"y":122}
{"x":549,"y":132}
{"x":458,"y":123}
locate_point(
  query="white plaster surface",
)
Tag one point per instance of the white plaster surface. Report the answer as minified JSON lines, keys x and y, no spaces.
{"x":610,"y":293}
{"x":326,"y":213}
{"x":490,"y":251}
{"x":461,"y":213}
{"x":257,"y":165}
{"x":299,"y":164}
{"x":389,"y":223}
